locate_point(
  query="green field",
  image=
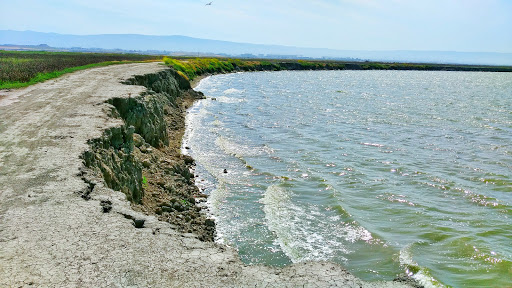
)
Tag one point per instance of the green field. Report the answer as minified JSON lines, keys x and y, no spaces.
{"x":20,"y":69}
{"x":23,"y":68}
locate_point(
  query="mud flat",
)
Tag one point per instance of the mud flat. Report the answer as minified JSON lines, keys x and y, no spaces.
{"x":93,"y":192}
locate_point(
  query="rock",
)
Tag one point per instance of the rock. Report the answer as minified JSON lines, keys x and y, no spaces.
{"x":188,"y":160}
{"x":178,"y":207}
{"x":145,"y":148}
{"x":138,"y":141}
{"x":169,"y":188}
{"x":407,"y":280}
{"x":106,"y":205}
{"x":209,"y":222}
{"x":146,"y":163}
{"x":168,"y":170}
{"x":138,"y":223}
{"x":167,"y":209}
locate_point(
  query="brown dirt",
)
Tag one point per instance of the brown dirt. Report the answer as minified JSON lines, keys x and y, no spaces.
{"x":169,"y":195}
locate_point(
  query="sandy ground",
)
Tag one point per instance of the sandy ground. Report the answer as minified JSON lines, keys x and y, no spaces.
{"x":51,"y":237}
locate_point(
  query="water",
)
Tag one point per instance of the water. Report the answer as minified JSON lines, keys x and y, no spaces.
{"x":384,"y":172}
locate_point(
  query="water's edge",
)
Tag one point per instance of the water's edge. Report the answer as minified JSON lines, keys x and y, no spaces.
{"x":264,"y":128}
{"x":148,"y":146}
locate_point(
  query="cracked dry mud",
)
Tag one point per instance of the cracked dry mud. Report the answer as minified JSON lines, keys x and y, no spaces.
{"x":51,"y":237}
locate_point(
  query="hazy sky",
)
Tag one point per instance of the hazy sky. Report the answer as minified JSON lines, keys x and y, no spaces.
{"x":448,"y":25}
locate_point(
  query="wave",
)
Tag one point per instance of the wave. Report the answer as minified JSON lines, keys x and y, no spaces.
{"x":233,"y":91}
{"x":230,"y":147}
{"x":296,"y":227}
{"x":385,"y":161}
{"x":229,"y":100}
{"x":415,"y":271}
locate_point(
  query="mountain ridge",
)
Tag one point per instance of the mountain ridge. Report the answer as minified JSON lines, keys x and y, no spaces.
{"x":182,"y":43}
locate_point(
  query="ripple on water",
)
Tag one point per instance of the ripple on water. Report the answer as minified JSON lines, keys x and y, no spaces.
{"x":381,"y":171}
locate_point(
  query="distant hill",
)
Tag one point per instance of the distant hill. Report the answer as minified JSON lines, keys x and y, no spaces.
{"x":192,"y":46}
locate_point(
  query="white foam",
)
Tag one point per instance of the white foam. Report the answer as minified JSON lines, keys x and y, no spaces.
{"x":217,"y":123}
{"x":372,"y":144}
{"x":229,"y":100}
{"x":192,"y":122}
{"x":232,"y":91}
{"x":230,"y":147}
{"x":296,"y":228}
{"x":205,"y":81}
{"x":421,"y":276}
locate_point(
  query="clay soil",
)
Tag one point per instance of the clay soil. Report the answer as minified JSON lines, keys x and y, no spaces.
{"x":171,"y":196}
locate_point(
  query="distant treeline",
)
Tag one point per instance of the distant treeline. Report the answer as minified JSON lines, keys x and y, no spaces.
{"x":193,"y":67}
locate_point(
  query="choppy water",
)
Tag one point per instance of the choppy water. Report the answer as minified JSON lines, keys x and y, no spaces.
{"x":384,"y":172}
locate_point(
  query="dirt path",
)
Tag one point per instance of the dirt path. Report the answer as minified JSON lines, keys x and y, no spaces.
{"x":51,"y":237}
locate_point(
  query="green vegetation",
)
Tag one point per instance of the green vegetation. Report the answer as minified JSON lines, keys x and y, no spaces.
{"x":190,"y":68}
{"x":185,"y":203}
{"x":193,"y":67}
{"x":399,"y":66}
{"x":144,"y":182}
{"x":21,"y":69}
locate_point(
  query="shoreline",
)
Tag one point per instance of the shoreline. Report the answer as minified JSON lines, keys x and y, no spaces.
{"x":402,"y":279}
{"x":194,"y":83}
{"x":67,"y":174}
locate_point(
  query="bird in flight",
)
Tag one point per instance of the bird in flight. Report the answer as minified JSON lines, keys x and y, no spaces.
{"x":209,"y":4}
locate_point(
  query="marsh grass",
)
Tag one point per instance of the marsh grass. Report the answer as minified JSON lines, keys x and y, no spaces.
{"x":193,"y":67}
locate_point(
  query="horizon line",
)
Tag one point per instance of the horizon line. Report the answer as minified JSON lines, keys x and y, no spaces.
{"x":275,"y":45}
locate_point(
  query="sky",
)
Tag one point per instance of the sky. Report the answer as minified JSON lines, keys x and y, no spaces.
{"x":442,"y":25}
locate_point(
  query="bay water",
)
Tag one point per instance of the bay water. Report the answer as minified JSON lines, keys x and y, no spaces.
{"x":383,"y":172}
